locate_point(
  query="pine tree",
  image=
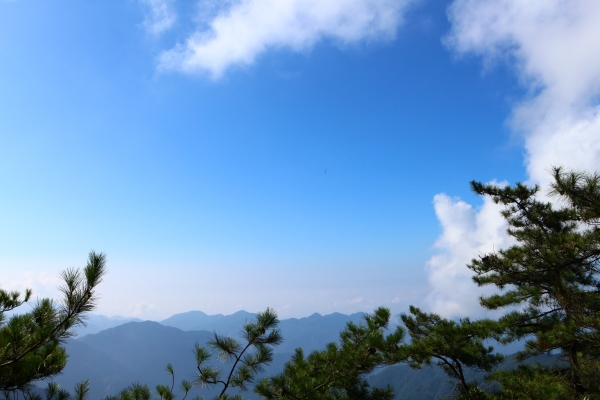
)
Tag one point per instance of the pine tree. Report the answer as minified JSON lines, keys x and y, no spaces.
{"x":247,"y":359}
{"x":30,"y":343}
{"x":550,"y":277}
{"x":455,"y":345}
{"x":339,"y":371}
{"x":165,"y":392}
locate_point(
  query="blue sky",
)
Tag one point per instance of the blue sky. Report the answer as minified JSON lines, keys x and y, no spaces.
{"x":238,"y":155}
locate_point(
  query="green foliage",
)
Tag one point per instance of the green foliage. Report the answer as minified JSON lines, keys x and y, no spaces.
{"x":455,"y":345}
{"x":338,"y":371}
{"x":247,"y":359}
{"x":550,"y":277}
{"x":164,"y":391}
{"x":82,"y":390}
{"x":473,"y":393}
{"x":30,"y":343}
{"x":135,"y":391}
{"x":532,"y":382}
{"x":53,"y":391}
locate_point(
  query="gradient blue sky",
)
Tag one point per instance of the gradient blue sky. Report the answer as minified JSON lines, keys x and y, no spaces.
{"x":301,"y":175}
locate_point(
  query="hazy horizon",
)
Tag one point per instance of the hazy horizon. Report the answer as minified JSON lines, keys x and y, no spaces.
{"x":120,"y":317}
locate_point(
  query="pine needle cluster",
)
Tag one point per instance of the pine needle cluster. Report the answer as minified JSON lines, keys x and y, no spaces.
{"x":30,"y":343}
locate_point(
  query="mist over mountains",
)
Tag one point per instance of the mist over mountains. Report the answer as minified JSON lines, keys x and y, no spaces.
{"x":310,"y":333}
{"x":95,"y":323}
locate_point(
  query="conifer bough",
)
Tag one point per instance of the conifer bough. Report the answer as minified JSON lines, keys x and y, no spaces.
{"x":30,"y":343}
{"x":550,"y":277}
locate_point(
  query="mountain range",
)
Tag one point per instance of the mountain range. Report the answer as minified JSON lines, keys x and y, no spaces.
{"x":131,"y":351}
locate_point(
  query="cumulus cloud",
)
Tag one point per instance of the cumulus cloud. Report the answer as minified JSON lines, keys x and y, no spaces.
{"x":466,"y":233}
{"x":553,"y":46}
{"x":238,"y":34}
{"x":160,"y":16}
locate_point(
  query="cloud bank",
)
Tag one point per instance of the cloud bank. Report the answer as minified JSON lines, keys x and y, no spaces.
{"x":553,"y":46}
{"x":242,"y":31}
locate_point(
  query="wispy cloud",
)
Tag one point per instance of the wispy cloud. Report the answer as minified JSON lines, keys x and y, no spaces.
{"x":242,"y":31}
{"x":142,"y":310}
{"x":159,"y":16}
{"x":553,"y":47}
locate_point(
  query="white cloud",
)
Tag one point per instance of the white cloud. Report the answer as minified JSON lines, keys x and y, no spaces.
{"x":142,"y":310}
{"x":240,"y":33}
{"x":160,"y":16}
{"x":554,"y":48}
{"x":466,"y":233}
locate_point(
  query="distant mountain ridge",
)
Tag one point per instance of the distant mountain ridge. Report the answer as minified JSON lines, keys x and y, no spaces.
{"x":95,"y":323}
{"x":139,"y":351}
{"x":134,"y":352}
{"x":200,"y":321}
{"x":310,"y":333}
